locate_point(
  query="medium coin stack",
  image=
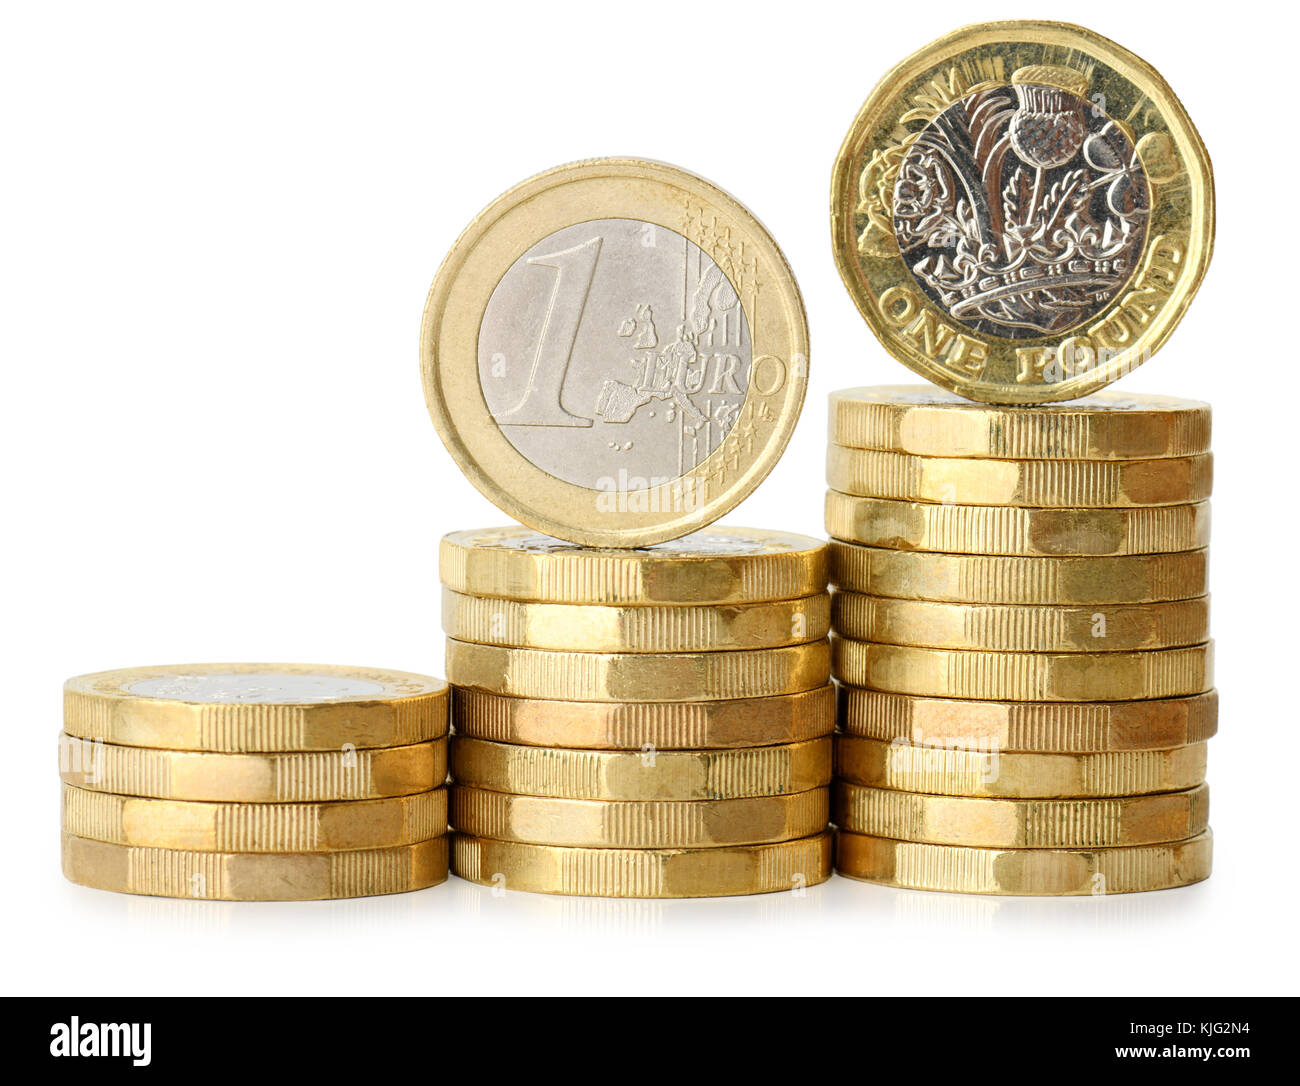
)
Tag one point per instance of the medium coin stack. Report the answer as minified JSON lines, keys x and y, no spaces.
{"x":1020,"y":631}
{"x":254,"y":782}
{"x":639,"y":723}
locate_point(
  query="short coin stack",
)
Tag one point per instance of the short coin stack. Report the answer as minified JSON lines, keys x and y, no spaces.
{"x":1021,"y":635}
{"x":639,"y":723}
{"x":252,"y":782}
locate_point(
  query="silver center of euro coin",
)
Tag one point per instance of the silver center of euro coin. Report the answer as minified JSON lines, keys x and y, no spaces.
{"x":615,"y":354}
{"x":271,"y":686}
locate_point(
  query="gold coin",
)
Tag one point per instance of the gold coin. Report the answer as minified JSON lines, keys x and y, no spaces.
{"x":611,"y":872}
{"x":928,"y":421}
{"x":1025,"y":676}
{"x":1030,"y":726}
{"x":996,"y":773}
{"x":639,"y":824}
{"x":615,"y":352}
{"x":641,"y":775}
{"x":651,"y":628}
{"x":1110,"y":627}
{"x":1021,"y":823}
{"x":255,"y":707}
{"x":714,"y":566}
{"x":1030,"y":872}
{"x":606,"y":676}
{"x":1174,"y":480}
{"x":254,"y":827}
{"x":252,"y":876}
{"x":977,"y":578}
{"x":663,"y":725}
{"x":1007,"y":529}
{"x":953,"y":188}
{"x":252,"y":778}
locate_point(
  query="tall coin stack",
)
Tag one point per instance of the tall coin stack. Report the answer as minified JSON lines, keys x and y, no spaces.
{"x":1021,"y":633}
{"x":251,"y":782}
{"x":639,"y":723}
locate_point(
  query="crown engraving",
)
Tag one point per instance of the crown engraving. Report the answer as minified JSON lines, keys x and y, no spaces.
{"x":1022,"y":209}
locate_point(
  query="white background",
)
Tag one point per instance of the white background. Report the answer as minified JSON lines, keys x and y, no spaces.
{"x":220,"y":222}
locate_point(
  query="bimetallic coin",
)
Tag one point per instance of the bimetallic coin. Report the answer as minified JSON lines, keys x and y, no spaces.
{"x":1025,"y":676}
{"x":491,"y":620}
{"x":667,"y":676}
{"x":1087,"y":484}
{"x":1011,"y":530}
{"x":661,"y":725}
{"x":641,"y":775}
{"x":651,"y":873}
{"x":252,"y":778}
{"x":1022,"y":211}
{"x":615,"y":352}
{"x":254,"y":827}
{"x":928,"y":421}
{"x":255,"y":707}
{"x":251,"y":876}
{"x":974,"y":578}
{"x":995,"y":773}
{"x":639,"y":824}
{"x":1110,"y":627}
{"x":1029,"y":726}
{"x":1023,"y":872}
{"x":1021,"y":823}
{"x":713,"y":566}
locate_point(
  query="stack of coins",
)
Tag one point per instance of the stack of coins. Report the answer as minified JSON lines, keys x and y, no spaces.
{"x":250,"y":782}
{"x":1021,"y":635}
{"x":639,"y":723}
{"x":630,"y":722}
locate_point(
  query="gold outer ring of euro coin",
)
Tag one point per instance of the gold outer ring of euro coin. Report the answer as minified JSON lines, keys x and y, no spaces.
{"x":648,"y":873}
{"x":1076,"y":484}
{"x":254,"y":827}
{"x":1064,"y":727}
{"x":1024,"y":119}
{"x":927,"y":421}
{"x":1025,"y":676}
{"x":491,"y":620}
{"x":584,"y":823}
{"x":254,"y":876}
{"x":1021,"y":823}
{"x":641,"y":775}
{"x":1111,"y":627}
{"x":314,"y":776}
{"x":629,"y":676}
{"x":1026,"y":872}
{"x":1011,"y":530}
{"x":713,"y":566}
{"x":994,"y":773}
{"x":660,"y":725}
{"x":979,"y":578}
{"x":760,"y":321}
{"x":255,"y":707}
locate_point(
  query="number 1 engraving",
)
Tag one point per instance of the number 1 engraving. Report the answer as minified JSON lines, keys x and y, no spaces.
{"x":541,"y":406}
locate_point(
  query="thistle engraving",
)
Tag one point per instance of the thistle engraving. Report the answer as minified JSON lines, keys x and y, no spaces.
{"x":1021,"y":210}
